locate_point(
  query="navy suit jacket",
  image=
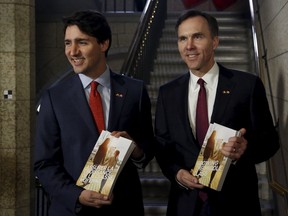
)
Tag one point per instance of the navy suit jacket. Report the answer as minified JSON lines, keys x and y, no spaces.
{"x":240,"y":103}
{"x":66,"y":135}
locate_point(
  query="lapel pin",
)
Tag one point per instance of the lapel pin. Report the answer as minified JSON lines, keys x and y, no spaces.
{"x":119,"y":95}
{"x":226,"y":92}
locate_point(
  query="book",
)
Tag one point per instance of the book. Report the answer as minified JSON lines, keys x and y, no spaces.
{"x":211,"y":166}
{"x":105,"y":163}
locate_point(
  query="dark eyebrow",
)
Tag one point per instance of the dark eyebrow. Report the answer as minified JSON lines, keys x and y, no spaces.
{"x":198,"y":34}
{"x":78,"y":39}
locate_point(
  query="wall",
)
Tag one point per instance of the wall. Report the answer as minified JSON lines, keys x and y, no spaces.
{"x":273,"y":22}
{"x":17,"y":82}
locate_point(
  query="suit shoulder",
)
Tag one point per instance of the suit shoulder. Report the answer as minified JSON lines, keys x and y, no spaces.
{"x":238,"y":76}
{"x":63,"y":82}
{"x":247,"y":78}
{"x":245,"y":75}
{"x":176,"y":82}
{"x":60,"y":87}
{"x":237,"y":73}
{"x":124,"y":79}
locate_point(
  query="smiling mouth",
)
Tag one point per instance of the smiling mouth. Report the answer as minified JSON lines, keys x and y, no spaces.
{"x":77,"y":61}
{"x":191,"y":54}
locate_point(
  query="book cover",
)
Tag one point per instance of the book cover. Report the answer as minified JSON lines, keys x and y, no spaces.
{"x":211,"y":166}
{"x":105,"y":163}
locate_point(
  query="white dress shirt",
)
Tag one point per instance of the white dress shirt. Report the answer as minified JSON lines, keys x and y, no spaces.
{"x":104,"y":89}
{"x":211,"y":82}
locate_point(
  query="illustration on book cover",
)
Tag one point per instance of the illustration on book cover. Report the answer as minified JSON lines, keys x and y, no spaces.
{"x":212,"y":166}
{"x":104,"y":164}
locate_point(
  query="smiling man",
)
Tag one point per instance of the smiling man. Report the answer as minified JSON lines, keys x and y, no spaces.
{"x":234,"y":99}
{"x":67,"y":132}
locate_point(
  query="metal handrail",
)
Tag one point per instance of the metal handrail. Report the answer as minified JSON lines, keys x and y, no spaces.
{"x":253,"y":3}
{"x":140,"y":58}
{"x":42,"y":202}
{"x":254,"y":37}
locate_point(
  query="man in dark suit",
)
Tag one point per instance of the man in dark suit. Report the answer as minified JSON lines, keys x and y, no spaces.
{"x":235,"y":99}
{"x":66,"y":131}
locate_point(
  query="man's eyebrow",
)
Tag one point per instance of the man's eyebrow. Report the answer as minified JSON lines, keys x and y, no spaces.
{"x":190,"y":35}
{"x":77,"y":39}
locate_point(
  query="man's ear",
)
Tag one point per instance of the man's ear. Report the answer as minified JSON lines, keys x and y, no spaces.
{"x":104,"y":46}
{"x":215,"y":42}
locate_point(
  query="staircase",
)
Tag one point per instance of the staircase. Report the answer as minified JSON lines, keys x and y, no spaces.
{"x":234,"y":51}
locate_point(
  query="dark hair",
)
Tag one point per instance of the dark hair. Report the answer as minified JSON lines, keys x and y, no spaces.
{"x":92,"y":23}
{"x":212,"y":22}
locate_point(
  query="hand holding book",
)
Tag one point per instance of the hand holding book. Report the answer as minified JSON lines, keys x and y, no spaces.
{"x":105,"y":163}
{"x":137,"y":153}
{"x":235,"y":146}
{"x":212,"y":165}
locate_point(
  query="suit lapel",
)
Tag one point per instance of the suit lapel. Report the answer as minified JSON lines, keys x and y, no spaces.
{"x":180,"y":103}
{"x":78,"y":99}
{"x":183,"y":90}
{"x":223,"y":94}
{"x":118,"y":96}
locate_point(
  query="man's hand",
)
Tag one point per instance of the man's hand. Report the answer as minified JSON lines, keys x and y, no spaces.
{"x":186,"y":179}
{"x":236,"y":146}
{"x":94,"y":199}
{"x":137,"y":152}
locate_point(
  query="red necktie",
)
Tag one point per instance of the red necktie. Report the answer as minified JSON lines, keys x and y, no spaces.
{"x":202,"y":122}
{"x":96,"y":106}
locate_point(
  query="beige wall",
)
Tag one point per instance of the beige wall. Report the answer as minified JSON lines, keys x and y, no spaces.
{"x":17,"y":78}
{"x":274,"y":23}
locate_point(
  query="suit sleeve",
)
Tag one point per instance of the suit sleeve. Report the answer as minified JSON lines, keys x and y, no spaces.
{"x":48,"y":159}
{"x":144,"y":134}
{"x":263,"y":135}
{"x":165,"y":150}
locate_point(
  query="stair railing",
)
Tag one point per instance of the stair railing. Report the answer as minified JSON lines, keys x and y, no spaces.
{"x":142,"y":51}
{"x":252,"y":4}
{"x":254,"y":37}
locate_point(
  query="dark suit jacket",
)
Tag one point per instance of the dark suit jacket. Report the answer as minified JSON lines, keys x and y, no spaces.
{"x":66,"y":135}
{"x":245,"y":106}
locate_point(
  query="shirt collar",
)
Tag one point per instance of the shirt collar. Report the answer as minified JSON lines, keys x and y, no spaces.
{"x":103,"y":79}
{"x":210,"y":78}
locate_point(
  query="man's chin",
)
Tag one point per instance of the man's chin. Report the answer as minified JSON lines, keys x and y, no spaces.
{"x":76,"y":70}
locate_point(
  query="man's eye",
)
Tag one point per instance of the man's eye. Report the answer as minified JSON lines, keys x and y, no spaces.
{"x":198,"y":36}
{"x":82,"y":42}
{"x":182,"y":39}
